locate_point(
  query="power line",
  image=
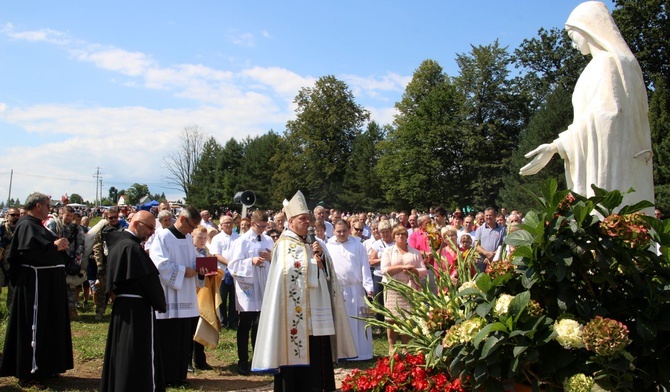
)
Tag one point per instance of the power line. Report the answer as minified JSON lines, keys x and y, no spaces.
{"x":122,"y":182}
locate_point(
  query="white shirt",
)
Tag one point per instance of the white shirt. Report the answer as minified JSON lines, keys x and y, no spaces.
{"x":222,"y":244}
{"x":250,"y":279}
{"x":329,"y":229}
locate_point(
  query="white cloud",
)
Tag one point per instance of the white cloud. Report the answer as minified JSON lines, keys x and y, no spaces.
{"x":242,"y":39}
{"x":128,"y":143}
{"x":43,"y":35}
{"x":118,"y":60}
{"x":375,"y":87}
{"x":283,"y":81}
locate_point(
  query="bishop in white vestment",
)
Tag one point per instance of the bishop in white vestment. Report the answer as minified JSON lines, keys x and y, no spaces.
{"x":303,"y":325}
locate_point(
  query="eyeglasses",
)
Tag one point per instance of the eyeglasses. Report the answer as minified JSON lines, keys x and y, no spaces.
{"x":358,"y":229}
{"x":151,"y":228}
{"x":188,"y":222}
{"x":112,"y":217}
{"x":13,"y":215}
{"x":274,"y":236}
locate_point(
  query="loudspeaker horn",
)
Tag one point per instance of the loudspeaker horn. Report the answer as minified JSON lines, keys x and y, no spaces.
{"x":246,"y":198}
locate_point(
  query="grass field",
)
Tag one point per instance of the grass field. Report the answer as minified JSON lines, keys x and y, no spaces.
{"x":89,"y":338}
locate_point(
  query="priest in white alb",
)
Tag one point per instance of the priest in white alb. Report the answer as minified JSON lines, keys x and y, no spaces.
{"x":174,"y":255}
{"x":352,"y":268}
{"x":303,"y":326}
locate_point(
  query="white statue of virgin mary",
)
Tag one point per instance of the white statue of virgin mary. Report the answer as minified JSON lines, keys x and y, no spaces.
{"x":609,"y":142}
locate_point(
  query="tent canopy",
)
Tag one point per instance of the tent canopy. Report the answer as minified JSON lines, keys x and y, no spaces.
{"x":147,"y":206}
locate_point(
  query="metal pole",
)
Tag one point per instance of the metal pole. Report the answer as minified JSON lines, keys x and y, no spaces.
{"x":9,"y":196}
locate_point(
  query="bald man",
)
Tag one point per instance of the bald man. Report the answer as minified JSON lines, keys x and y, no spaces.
{"x":131,"y":361}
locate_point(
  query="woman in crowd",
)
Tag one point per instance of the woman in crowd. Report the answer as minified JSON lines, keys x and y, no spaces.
{"x":449,"y":252}
{"x":245,"y":225}
{"x":207,"y":332}
{"x":404,"y":264}
{"x":320,"y":230}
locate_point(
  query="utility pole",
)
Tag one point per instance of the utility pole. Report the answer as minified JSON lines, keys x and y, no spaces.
{"x":9,"y":196}
{"x":98,"y":180}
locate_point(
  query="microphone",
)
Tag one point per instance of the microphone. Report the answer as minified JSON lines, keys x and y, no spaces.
{"x":310,"y":235}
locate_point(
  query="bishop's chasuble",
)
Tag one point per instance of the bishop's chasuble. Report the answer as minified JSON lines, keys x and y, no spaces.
{"x":300,"y":300}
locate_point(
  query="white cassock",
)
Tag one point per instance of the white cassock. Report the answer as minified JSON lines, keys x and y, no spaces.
{"x":352,"y":267}
{"x":250,"y":279}
{"x":172,"y":256}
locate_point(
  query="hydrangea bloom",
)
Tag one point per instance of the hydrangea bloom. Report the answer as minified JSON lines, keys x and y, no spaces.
{"x":463,"y":333}
{"x":605,"y":336}
{"x":502,"y":304}
{"x":569,"y":333}
{"x":578,"y":383}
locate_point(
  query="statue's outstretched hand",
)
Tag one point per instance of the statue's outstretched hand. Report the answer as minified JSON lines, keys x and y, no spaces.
{"x":542,"y":156}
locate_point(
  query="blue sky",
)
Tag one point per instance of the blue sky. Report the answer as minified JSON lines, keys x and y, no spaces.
{"x":87,"y":84}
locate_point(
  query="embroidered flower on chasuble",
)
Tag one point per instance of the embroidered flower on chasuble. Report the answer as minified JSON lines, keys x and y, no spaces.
{"x":295,"y":272}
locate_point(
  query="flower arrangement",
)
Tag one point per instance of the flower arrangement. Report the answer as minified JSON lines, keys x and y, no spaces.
{"x":434,"y":237}
{"x":581,"y":304}
{"x":401,"y":373}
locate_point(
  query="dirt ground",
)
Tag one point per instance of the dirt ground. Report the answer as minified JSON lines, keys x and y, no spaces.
{"x":86,"y":377}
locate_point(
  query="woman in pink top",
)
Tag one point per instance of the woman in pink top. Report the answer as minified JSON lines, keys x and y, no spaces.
{"x":404,"y":264}
{"x":449,"y":252}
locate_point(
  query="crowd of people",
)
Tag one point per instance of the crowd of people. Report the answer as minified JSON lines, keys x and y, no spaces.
{"x":294,"y":285}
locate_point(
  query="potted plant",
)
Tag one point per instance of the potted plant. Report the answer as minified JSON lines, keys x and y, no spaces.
{"x":582,"y":302}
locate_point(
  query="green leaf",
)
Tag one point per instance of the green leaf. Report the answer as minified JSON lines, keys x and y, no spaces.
{"x":481,"y":372}
{"x":523,"y":251}
{"x":518,"y":350}
{"x":484,"y":308}
{"x":497,"y":326}
{"x":645,"y":329}
{"x":612,"y":200}
{"x":519,"y":238}
{"x":518,"y":304}
{"x":641,"y":205}
{"x":484,"y":282}
{"x":549,"y":188}
{"x":581,"y":210}
{"x":438,"y":351}
{"x":490,"y":346}
{"x":533,"y":223}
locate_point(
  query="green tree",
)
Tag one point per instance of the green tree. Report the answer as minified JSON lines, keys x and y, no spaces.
{"x":659,"y":121}
{"x":257,"y":169}
{"x":422,"y":156}
{"x":320,"y":140}
{"x":544,"y":126}
{"x":361,"y":188}
{"x":229,"y":163}
{"x":204,"y":190}
{"x":494,"y":110}
{"x":548,"y":62}
{"x":76,"y":198}
{"x":135,"y":193}
{"x":113,"y":194}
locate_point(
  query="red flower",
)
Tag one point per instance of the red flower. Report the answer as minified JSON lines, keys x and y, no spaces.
{"x":297,"y":264}
{"x":294,"y":331}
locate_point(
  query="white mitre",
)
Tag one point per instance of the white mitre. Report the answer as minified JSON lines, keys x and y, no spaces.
{"x":297,"y":205}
